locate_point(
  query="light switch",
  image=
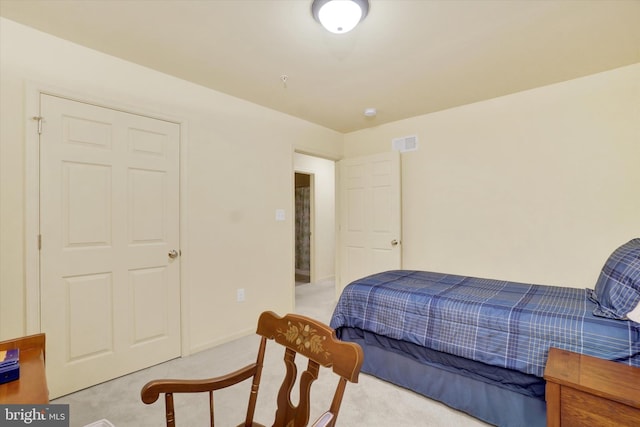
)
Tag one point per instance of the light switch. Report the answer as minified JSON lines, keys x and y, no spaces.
{"x":279,"y":214}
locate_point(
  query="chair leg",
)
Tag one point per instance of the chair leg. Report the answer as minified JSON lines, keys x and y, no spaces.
{"x":170,"y":413}
{"x":211,"y":414}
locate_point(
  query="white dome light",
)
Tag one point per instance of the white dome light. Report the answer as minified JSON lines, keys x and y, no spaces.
{"x":339,"y":16}
{"x":370,"y":112}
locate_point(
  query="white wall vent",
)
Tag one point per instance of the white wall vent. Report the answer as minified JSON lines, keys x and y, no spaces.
{"x":407,"y":143}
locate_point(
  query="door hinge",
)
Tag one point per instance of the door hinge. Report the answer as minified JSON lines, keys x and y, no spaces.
{"x":39,"y":241}
{"x":39,"y":119}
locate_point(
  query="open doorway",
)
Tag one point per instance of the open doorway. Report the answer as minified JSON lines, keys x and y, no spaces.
{"x":318,"y":176}
{"x":318,"y":290}
{"x":303,"y":219}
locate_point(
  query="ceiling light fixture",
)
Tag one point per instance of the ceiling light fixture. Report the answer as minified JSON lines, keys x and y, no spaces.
{"x":370,"y":112}
{"x":339,"y":16}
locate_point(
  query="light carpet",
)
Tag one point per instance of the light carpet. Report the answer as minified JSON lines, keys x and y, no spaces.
{"x":371,"y":402}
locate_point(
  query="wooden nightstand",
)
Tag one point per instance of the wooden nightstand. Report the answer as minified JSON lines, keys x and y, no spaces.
{"x":587,"y":391}
{"x":31,"y":387}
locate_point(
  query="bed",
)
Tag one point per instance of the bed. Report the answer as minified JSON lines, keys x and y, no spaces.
{"x":481,"y":345}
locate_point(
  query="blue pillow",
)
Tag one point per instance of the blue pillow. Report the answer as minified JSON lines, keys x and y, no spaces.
{"x":617,"y":291}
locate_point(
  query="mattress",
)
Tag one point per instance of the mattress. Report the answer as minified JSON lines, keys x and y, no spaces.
{"x":519,"y":382}
{"x":499,"y":323}
{"x":491,"y":401}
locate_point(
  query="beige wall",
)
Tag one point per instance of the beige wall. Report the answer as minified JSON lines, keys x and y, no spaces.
{"x":539,"y":186}
{"x":238,"y":170}
{"x":323,"y":172}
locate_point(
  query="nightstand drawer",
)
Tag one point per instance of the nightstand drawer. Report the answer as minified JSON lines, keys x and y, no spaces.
{"x":586,"y":391}
{"x":584,"y":409}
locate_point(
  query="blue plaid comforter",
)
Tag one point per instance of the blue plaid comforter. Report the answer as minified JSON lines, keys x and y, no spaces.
{"x":506,"y":324}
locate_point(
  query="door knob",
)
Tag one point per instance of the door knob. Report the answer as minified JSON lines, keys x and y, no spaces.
{"x":173,"y":254}
{"x":394,"y":242}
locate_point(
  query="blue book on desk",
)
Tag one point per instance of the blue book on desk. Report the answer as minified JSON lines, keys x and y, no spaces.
{"x":9,"y":365}
{"x":9,"y":357}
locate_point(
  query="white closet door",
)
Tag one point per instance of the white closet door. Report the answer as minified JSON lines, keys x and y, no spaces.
{"x":109,"y":216}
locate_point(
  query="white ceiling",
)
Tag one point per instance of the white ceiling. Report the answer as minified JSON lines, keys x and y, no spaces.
{"x":407,"y":58}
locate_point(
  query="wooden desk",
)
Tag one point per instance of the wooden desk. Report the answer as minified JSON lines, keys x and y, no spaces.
{"x":587,"y":391}
{"x":31,"y":387}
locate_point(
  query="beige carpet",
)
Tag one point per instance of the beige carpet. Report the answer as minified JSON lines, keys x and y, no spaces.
{"x":371,"y":402}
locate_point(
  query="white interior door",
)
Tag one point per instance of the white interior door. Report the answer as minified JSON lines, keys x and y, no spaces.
{"x":370,"y":219}
{"x":109,"y":216}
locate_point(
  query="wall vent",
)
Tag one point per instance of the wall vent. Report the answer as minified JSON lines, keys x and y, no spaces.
{"x":407,"y":143}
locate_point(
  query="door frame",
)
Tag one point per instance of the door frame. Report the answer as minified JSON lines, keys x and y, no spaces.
{"x":302,"y":150}
{"x":33,"y":91}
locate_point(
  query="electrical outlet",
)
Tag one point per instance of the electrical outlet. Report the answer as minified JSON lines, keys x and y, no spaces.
{"x":240,"y":295}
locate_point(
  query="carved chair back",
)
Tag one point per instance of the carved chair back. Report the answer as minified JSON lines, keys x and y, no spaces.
{"x":300,"y":335}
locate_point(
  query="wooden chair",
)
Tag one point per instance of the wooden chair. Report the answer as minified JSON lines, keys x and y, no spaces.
{"x":299,"y":335}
